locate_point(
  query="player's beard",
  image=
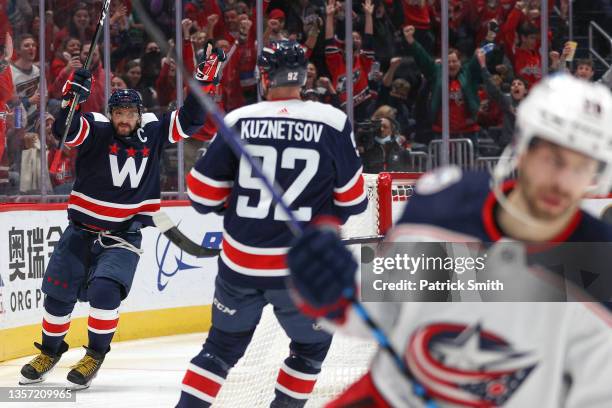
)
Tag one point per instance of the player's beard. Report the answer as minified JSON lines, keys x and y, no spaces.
{"x":124,"y":129}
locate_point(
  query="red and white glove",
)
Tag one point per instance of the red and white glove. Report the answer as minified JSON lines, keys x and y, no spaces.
{"x":209,"y":70}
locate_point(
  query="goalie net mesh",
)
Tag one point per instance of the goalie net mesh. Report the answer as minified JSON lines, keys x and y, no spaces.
{"x":251,"y":382}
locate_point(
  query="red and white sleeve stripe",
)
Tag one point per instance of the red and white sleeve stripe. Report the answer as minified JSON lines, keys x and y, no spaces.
{"x":81,"y":135}
{"x":55,"y":325}
{"x":201,"y":383}
{"x":294,"y":383}
{"x":175,"y":133}
{"x":102,"y":321}
{"x":351,"y":193}
{"x":207,"y":191}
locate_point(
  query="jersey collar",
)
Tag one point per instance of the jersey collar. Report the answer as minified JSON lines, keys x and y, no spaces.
{"x":492,"y":230}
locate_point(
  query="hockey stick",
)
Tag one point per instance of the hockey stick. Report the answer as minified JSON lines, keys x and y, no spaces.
{"x":55,"y":164}
{"x":174,"y":235}
{"x":238,"y":147}
{"x":183,"y":242}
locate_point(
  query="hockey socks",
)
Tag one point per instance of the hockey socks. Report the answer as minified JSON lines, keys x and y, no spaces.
{"x":207,"y":371}
{"x":104,"y":300}
{"x":202,"y":382}
{"x":55,"y":323}
{"x":296,"y":380}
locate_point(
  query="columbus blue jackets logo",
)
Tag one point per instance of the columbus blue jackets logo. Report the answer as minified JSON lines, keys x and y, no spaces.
{"x":467,"y":365}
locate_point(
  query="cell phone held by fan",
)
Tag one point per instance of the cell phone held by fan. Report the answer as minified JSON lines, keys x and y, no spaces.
{"x":487,"y":48}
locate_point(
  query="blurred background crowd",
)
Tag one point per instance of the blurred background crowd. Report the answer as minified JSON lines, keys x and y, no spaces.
{"x":495,"y":57}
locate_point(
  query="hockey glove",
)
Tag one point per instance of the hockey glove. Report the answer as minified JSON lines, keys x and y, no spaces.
{"x":79,"y":83}
{"x":322,"y":270}
{"x":209,"y":70}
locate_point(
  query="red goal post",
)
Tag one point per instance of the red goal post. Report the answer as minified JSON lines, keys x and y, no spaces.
{"x":388,"y":193}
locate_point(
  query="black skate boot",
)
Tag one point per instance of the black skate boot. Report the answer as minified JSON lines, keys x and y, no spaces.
{"x":86,"y":369}
{"x":38,"y":368}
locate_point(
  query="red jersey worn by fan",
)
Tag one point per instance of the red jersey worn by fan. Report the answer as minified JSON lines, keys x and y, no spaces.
{"x":527,"y":63}
{"x":460,"y":118}
{"x":416,"y":13}
{"x":362,"y":64}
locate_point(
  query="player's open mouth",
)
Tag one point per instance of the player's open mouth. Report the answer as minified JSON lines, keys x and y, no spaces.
{"x":552,"y":200}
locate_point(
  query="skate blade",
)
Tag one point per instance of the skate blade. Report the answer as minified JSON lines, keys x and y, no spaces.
{"x":26,"y":381}
{"x":77,"y":387}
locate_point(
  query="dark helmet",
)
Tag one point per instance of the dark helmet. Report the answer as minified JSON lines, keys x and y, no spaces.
{"x":284,"y":63}
{"x":123,"y":98}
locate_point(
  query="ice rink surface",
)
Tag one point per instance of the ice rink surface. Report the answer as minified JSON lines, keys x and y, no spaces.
{"x":148,"y":373}
{"x":140,"y":373}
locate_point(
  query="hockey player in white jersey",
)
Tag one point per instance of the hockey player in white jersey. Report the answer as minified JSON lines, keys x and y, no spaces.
{"x":489,"y":354}
{"x":309,"y":149}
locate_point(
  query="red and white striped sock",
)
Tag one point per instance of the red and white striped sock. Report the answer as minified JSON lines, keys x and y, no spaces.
{"x":54,"y":329}
{"x":295,"y":384}
{"x":101,"y":327}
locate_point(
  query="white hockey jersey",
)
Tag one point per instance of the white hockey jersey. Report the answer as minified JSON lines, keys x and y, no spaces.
{"x":506,"y":354}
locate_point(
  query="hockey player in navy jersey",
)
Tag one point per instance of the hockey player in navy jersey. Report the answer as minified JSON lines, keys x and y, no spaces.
{"x":495,"y":354}
{"x":116,"y":190}
{"x":309,"y":149}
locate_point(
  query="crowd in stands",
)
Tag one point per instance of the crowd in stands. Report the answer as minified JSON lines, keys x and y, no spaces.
{"x":494,"y":59}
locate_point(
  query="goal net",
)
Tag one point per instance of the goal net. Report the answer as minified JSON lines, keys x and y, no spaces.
{"x":251,"y":382}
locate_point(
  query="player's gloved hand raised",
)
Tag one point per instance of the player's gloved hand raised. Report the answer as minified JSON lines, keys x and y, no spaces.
{"x":209,"y":69}
{"x":79,"y":83}
{"x":322,"y":269}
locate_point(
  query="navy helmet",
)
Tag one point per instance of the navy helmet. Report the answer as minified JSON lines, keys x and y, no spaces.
{"x":284,"y":63}
{"x":125,"y":98}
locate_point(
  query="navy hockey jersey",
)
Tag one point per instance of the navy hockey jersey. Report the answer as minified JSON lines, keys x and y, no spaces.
{"x":117,"y":178}
{"x":463,"y":202}
{"x":309,"y":149}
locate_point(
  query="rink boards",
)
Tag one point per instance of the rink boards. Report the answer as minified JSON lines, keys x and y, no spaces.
{"x":171,"y":293}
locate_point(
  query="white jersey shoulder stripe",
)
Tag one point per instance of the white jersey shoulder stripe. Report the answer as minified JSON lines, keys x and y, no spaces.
{"x":148,"y":118}
{"x":98,"y":117}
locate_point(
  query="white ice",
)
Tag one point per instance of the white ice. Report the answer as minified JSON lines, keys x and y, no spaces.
{"x":140,"y":373}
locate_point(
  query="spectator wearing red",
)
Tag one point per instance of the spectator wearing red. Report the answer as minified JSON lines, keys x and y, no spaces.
{"x":96,"y":101}
{"x":246,"y":54}
{"x":165,"y":85}
{"x":70,"y":48}
{"x":363,"y":58}
{"x":228,"y":27}
{"x":418,"y":13}
{"x":488,"y":11}
{"x":525,"y":57}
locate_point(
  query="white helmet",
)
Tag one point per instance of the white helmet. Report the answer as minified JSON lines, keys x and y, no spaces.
{"x":570,"y":112}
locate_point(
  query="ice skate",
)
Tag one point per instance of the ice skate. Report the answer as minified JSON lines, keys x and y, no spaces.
{"x":38,"y":368}
{"x":83,"y":372}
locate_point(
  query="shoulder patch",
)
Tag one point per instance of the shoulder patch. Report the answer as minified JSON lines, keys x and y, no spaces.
{"x":98,"y":117}
{"x":148,"y":118}
{"x":438,"y":180}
